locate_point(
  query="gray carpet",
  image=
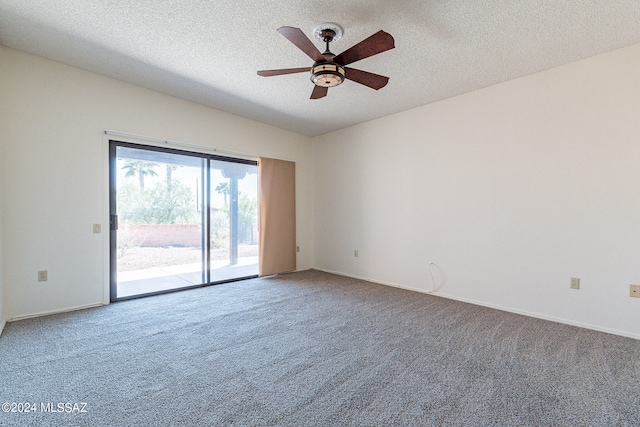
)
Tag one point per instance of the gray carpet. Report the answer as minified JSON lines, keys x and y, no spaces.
{"x":315,"y":349}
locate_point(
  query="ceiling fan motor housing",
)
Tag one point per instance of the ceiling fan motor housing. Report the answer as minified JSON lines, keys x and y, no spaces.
{"x":327,"y":74}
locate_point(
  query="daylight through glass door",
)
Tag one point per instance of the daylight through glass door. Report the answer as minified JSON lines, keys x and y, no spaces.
{"x":233,"y":227}
{"x":179,"y":220}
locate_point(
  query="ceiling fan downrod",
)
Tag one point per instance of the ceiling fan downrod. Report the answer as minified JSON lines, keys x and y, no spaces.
{"x":327,"y":35}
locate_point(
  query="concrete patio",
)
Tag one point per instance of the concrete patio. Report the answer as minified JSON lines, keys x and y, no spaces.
{"x":140,"y":282}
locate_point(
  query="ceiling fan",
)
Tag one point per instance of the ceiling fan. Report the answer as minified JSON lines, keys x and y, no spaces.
{"x":330,"y":70}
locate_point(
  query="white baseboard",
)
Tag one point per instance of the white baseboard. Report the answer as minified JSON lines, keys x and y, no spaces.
{"x":495,"y":306}
{"x":48,"y":313}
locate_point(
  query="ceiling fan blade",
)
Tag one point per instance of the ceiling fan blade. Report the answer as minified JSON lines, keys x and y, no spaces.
{"x":377,"y":43}
{"x":374,"y":81}
{"x":319,"y":92}
{"x":297,"y":37}
{"x":269,"y":73}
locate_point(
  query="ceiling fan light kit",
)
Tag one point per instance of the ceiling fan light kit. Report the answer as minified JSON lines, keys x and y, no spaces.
{"x":330,"y":70}
{"x":327,"y":74}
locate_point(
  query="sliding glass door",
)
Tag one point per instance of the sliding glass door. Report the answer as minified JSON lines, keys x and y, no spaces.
{"x":179,"y":220}
{"x":233,"y":239}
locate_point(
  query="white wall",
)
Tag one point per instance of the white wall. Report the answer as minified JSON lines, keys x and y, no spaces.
{"x":510,"y":191}
{"x":2,"y":156}
{"x":53,"y":169}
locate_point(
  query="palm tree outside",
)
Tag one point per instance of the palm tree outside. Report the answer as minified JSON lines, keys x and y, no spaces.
{"x":223,"y":188}
{"x":140,"y":168}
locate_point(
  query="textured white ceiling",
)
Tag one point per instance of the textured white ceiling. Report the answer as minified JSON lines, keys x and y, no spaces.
{"x":208,"y":51}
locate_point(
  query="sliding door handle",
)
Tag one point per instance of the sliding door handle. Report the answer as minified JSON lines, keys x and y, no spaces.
{"x":114,"y":222}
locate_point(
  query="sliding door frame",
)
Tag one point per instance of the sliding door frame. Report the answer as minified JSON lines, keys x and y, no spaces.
{"x":205,"y":196}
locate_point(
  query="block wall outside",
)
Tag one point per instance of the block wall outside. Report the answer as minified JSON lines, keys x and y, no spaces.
{"x":160,"y":235}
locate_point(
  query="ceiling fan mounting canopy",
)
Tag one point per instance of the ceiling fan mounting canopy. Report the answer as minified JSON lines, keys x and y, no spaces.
{"x":327,"y":37}
{"x":330,"y":70}
{"x":328,"y":26}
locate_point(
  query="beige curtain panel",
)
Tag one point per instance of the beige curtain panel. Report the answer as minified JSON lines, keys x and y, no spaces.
{"x":277,"y":216}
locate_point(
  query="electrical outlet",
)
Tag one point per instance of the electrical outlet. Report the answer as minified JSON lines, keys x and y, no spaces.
{"x":97,"y":228}
{"x":355,"y":253}
{"x":575,"y":283}
{"x":42,"y":276}
{"x":634,"y":291}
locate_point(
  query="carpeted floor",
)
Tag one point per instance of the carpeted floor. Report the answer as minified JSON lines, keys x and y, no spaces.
{"x":314,"y":349}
